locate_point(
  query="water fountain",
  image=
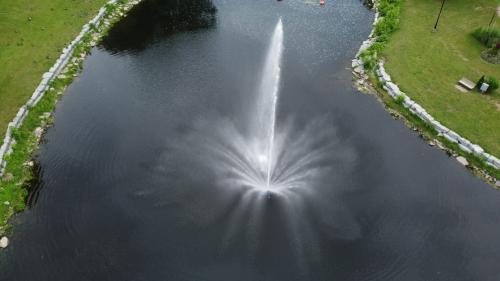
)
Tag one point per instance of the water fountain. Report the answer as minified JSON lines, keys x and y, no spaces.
{"x":265,"y":125}
{"x":264,"y":157}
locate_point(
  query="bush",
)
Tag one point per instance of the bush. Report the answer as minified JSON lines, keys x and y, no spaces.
{"x":492,"y":81}
{"x":387,"y":24}
{"x":400,"y":99}
{"x":487,"y":36}
{"x":389,"y":21}
{"x":369,"y":59}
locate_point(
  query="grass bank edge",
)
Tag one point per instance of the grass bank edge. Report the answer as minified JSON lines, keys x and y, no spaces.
{"x":386,"y":25}
{"x":19,"y":171}
{"x":477,"y":165}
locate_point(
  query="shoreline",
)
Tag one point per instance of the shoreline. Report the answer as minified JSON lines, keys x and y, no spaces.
{"x":375,"y":80}
{"x":25,"y":132}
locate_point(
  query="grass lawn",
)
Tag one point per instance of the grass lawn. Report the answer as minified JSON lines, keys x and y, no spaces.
{"x":33,"y":33}
{"x":427,"y":66}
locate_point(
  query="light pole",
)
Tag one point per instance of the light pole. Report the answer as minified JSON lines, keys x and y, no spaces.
{"x":492,"y":18}
{"x":439,"y":15}
{"x":495,"y":13}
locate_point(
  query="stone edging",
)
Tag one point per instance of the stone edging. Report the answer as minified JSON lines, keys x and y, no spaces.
{"x":393,"y":90}
{"x":48,"y":77}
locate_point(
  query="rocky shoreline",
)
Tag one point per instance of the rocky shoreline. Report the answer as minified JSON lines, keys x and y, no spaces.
{"x":52,"y":86}
{"x":364,"y":83}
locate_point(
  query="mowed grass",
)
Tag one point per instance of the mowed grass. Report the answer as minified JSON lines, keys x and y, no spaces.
{"x":32,"y":36}
{"x":427,"y":66}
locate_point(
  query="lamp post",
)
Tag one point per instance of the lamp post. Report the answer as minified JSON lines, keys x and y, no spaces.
{"x":492,"y":18}
{"x":439,"y":15}
{"x":495,"y":13}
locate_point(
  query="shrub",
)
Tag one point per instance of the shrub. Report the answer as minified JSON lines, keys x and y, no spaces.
{"x":493,"y":82}
{"x":487,"y":36}
{"x":388,"y":23}
{"x":369,"y":59}
{"x":400,"y":99}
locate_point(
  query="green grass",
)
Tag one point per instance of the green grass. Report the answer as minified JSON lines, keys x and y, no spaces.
{"x":427,"y":65}
{"x":429,"y":133}
{"x":33,"y":34}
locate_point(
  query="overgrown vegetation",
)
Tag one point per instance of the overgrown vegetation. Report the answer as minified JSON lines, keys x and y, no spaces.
{"x":493,"y":82}
{"x":388,"y":23}
{"x":487,"y":36}
{"x":400,"y":100}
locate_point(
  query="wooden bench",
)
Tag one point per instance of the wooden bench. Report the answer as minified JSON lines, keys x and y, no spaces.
{"x":466,"y":83}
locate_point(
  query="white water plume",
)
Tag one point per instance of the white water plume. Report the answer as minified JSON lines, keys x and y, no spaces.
{"x":267,"y":101}
{"x":266,"y":157}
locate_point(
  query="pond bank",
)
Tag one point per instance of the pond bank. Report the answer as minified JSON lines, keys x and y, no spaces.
{"x":25,"y":131}
{"x":369,"y":69}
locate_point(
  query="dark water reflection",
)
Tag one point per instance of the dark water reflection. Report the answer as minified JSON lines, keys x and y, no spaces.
{"x":152,"y":20}
{"x":118,"y":201}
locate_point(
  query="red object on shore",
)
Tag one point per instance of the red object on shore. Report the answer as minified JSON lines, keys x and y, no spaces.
{"x":322,"y":2}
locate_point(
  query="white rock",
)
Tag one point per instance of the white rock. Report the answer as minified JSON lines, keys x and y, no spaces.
{"x":408,"y":102}
{"x":439,"y":127}
{"x":359,"y":69}
{"x":454,"y":136}
{"x":38,"y":132}
{"x":47,"y":75}
{"x":427,"y":117}
{"x":354,"y":63}
{"x":417,"y":108}
{"x":465,"y":142}
{"x":365,"y":45}
{"x":491,"y":164}
{"x":383,"y":75}
{"x":477,"y":149}
{"x":494,"y":162}
{"x":450,"y":137}
{"x":464,"y":148}
{"x":462,"y":161}
{"x":4,"y":242}
{"x":393,"y":88}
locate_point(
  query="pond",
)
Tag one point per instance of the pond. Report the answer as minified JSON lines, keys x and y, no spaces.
{"x":223,"y":140}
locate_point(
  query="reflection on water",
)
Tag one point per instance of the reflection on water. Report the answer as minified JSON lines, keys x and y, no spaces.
{"x":154,"y":19}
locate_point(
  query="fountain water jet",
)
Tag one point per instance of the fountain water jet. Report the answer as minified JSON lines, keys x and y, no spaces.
{"x":267,"y":102}
{"x":265,"y":157}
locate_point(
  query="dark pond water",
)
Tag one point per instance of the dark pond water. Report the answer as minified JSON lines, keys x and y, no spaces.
{"x":119,"y":200}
